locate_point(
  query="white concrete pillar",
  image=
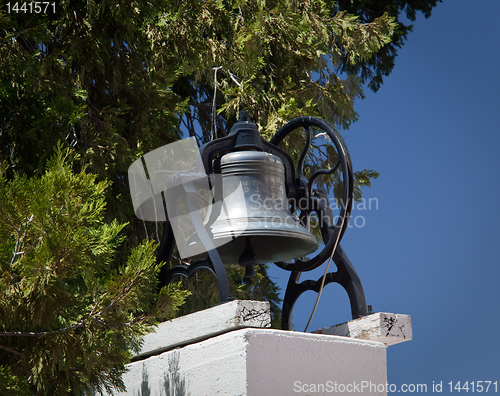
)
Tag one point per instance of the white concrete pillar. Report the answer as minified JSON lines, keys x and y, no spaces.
{"x":231,"y":352}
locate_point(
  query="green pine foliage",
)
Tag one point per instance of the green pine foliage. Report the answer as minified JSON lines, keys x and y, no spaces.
{"x":69,"y":323}
{"x":277,"y":59}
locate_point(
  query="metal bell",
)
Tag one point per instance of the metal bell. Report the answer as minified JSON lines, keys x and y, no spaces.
{"x":260,"y":229}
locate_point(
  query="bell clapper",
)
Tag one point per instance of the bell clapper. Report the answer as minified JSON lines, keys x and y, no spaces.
{"x":249,"y":258}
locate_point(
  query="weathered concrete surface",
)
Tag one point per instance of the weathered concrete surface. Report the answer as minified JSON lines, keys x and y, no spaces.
{"x":228,"y":350}
{"x":204,"y":324}
{"x":261,"y":362}
{"x":383,"y":327}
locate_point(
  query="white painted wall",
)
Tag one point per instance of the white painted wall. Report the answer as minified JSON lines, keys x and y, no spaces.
{"x":261,"y":362}
{"x":215,"y":352}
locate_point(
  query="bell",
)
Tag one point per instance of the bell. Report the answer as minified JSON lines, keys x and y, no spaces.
{"x":259,"y":228}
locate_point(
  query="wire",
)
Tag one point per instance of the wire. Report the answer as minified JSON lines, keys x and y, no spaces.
{"x":213,"y":128}
{"x":324,"y":275}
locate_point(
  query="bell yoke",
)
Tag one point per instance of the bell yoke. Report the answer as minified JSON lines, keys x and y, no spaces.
{"x":251,"y":219}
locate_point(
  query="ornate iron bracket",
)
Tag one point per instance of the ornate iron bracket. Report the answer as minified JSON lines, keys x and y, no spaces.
{"x":346,"y":276}
{"x":245,"y":136}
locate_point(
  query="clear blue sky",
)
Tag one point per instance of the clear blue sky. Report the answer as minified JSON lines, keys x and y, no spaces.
{"x":431,"y":249}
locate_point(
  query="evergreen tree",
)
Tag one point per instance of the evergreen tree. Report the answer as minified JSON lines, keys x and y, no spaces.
{"x":69,"y":324}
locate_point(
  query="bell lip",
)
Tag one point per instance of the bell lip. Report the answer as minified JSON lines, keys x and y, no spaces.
{"x":295,"y":241}
{"x":266,"y":232}
{"x":300,"y":245}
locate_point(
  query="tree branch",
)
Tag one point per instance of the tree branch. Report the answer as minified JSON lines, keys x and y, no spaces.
{"x":117,"y":325}
{"x":41,"y":333}
{"x":67,"y":329}
{"x":18,"y":240}
{"x":11,"y":350}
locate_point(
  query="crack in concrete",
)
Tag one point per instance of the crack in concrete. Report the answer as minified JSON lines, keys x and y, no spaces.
{"x":389,"y":323}
{"x":260,"y":315}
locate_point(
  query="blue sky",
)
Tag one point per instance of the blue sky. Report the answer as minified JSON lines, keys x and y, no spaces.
{"x":431,"y":249}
